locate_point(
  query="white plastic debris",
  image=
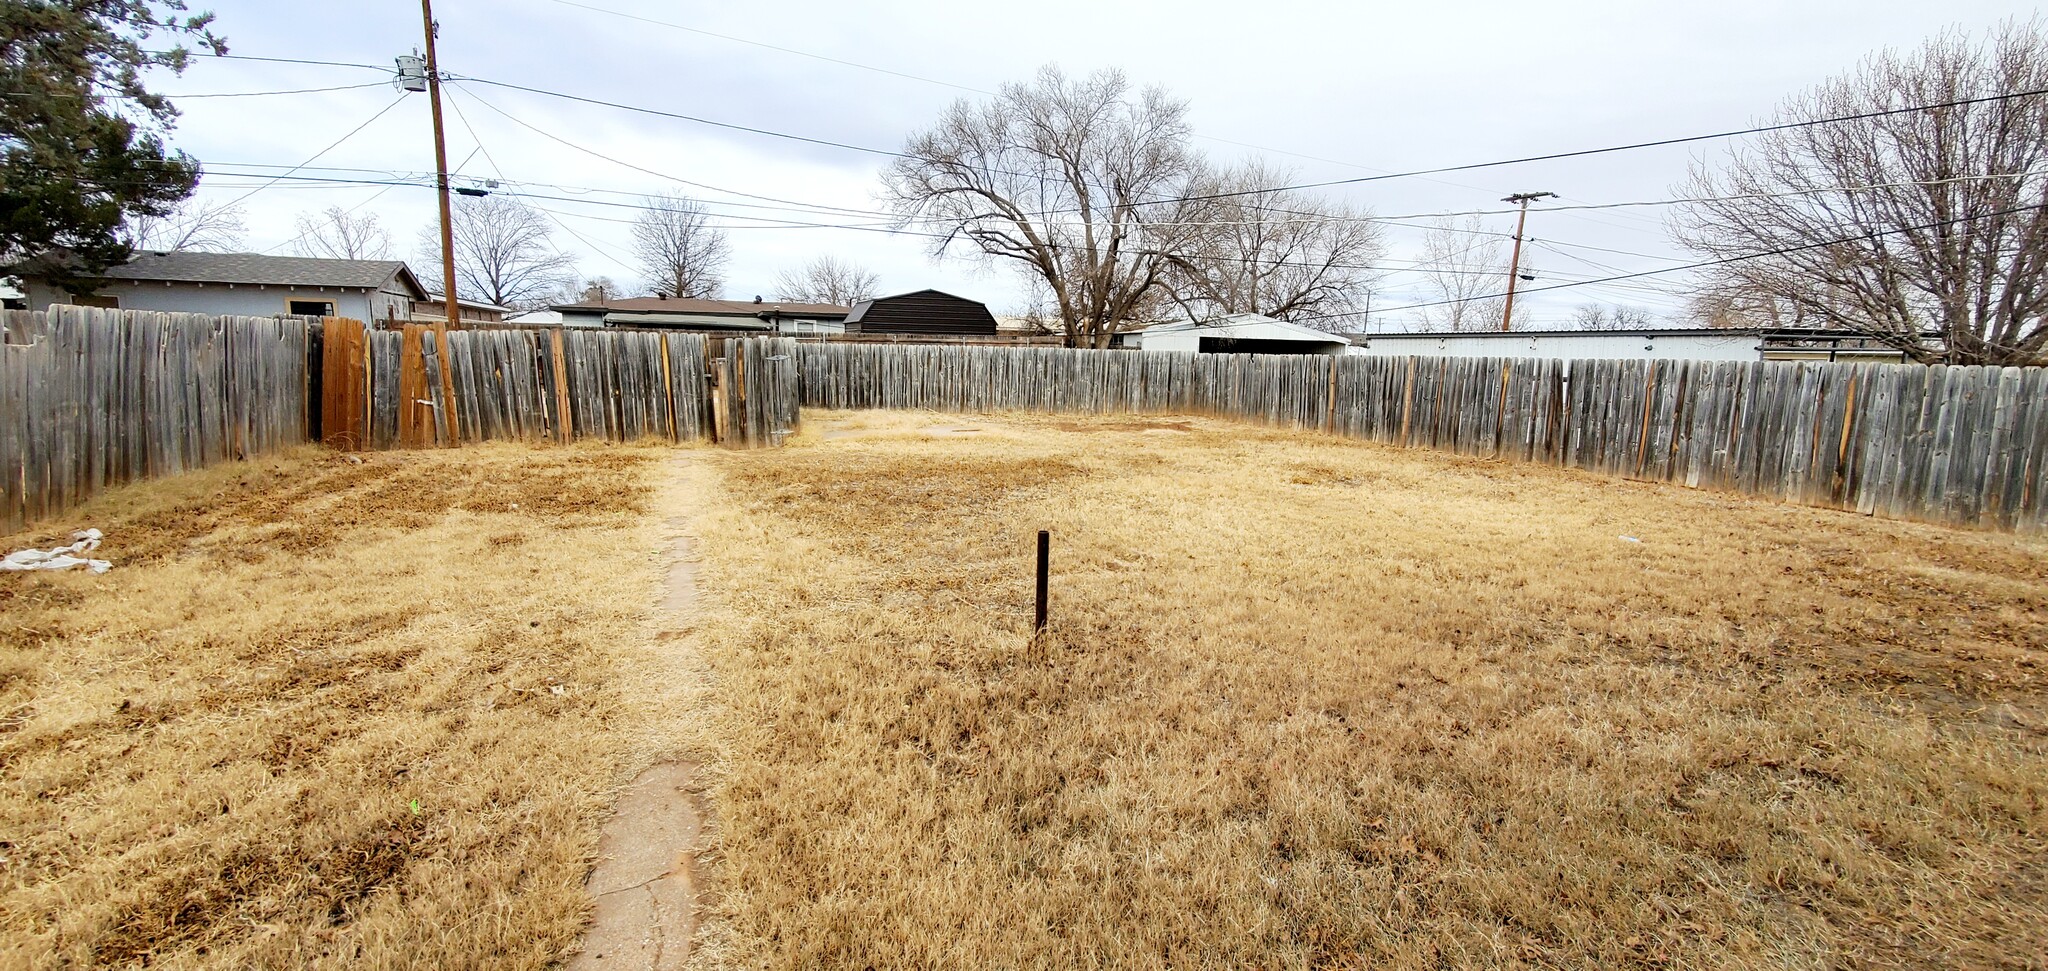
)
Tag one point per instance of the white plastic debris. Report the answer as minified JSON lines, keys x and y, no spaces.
{"x":62,"y":558}
{"x":1630,"y":539}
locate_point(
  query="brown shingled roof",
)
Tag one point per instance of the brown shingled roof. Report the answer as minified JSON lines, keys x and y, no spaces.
{"x":257,"y":268}
{"x":697,"y":305}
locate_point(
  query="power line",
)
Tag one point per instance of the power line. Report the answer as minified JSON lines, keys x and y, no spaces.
{"x":1634,"y":146}
{"x":677,"y":116}
{"x":316,"y":155}
{"x":474,"y":137}
{"x":1416,"y":173}
{"x":350,"y":211}
{"x":957,"y":86}
{"x":195,"y":56}
{"x":1719,"y":262}
{"x":772,"y":47}
{"x":262,"y":94}
{"x":662,"y":175}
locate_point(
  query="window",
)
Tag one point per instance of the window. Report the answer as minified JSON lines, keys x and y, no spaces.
{"x":311,"y":308}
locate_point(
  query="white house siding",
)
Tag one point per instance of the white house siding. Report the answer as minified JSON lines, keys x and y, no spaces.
{"x":1246,"y":327}
{"x":238,"y":300}
{"x":1705,"y":346}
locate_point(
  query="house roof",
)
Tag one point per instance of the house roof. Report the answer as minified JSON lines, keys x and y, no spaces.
{"x":1814,"y":333}
{"x":701,"y":306}
{"x":435,"y":299}
{"x":258,"y":269}
{"x":733,"y":322}
{"x":860,"y":310}
{"x":1257,"y":326}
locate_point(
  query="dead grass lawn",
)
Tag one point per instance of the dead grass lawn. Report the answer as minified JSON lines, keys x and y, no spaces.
{"x":333,"y":714}
{"x":1315,"y":704}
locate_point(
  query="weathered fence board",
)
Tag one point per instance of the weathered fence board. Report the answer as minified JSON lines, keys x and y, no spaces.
{"x":91,"y":398}
{"x":1947,"y":444}
{"x":422,"y":386}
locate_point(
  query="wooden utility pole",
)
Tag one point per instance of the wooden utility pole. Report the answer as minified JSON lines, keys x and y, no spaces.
{"x":441,"y":171}
{"x":1507,"y":314}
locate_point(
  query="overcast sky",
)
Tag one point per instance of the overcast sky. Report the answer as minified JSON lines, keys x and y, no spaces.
{"x":1329,"y":90}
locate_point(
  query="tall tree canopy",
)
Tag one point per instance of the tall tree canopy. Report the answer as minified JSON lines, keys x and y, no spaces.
{"x":826,"y":280}
{"x":1926,"y":229}
{"x":337,"y":234}
{"x":81,"y":138}
{"x":503,"y":254}
{"x":1083,"y":185}
{"x":1464,"y":273}
{"x":1264,"y":249}
{"x":682,"y":253}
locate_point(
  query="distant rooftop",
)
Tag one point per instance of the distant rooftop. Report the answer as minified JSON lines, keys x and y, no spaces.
{"x":699,"y":305}
{"x":1782,"y":332}
{"x":259,"y":269}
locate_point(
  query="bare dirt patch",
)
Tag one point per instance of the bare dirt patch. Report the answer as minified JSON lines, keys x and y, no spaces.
{"x":1309,"y":703}
{"x":1125,"y":425}
{"x":646,"y":884}
{"x":332,"y":711}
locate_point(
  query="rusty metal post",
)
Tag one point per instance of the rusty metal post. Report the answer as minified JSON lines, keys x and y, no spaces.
{"x":1044,"y":558}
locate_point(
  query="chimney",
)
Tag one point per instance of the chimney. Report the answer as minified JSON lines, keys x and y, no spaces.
{"x":661,"y":296}
{"x":757,"y":298}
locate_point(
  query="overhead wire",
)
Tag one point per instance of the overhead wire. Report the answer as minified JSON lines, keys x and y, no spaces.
{"x":662,"y":175}
{"x":478,"y":139}
{"x":316,"y":155}
{"x":1761,"y":129}
{"x":968,"y":88}
{"x":1724,"y":261}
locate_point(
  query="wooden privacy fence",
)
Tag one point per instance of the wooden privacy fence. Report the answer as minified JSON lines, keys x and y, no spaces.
{"x":421,"y":386}
{"x":91,"y":398}
{"x":1961,"y":445}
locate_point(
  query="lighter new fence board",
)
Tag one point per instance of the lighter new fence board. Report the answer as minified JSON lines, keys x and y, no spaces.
{"x":92,"y":398}
{"x":1963,"y":445}
{"x":422,"y":386}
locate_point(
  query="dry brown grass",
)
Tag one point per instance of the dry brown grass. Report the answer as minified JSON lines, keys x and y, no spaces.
{"x":1315,"y":704}
{"x":334,"y":714}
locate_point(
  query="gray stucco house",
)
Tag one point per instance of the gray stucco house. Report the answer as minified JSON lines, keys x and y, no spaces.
{"x":251,"y":285}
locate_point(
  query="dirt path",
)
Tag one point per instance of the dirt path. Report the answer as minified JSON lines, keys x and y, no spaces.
{"x":645,"y":883}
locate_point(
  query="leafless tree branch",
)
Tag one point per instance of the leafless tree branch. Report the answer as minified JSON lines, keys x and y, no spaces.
{"x":681,"y":253}
{"x":826,"y":280}
{"x":1948,"y":259}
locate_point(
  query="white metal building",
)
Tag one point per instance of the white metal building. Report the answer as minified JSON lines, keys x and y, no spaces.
{"x":1692,"y":344}
{"x":1237,"y":334}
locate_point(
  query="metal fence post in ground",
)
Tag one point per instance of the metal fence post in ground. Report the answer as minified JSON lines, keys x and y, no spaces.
{"x":1044,"y":555}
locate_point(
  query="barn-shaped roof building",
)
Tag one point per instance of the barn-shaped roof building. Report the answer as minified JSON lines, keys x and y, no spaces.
{"x":922,"y":312}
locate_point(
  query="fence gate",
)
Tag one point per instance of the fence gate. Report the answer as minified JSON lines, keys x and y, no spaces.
{"x":755,"y":390}
{"x":420,"y":386}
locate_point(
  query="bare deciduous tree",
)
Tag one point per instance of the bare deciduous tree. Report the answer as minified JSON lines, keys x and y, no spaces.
{"x":1465,"y":272}
{"x":1283,"y":254}
{"x":1923,"y":229}
{"x":1063,"y":179}
{"x":681,"y":253}
{"x":600,"y":288}
{"x":503,"y":254}
{"x":191,"y":225}
{"x":337,"y":234}
{"x":1734,"y":307}
{"x":826,"y":280}
{"x":1597,"y":316}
